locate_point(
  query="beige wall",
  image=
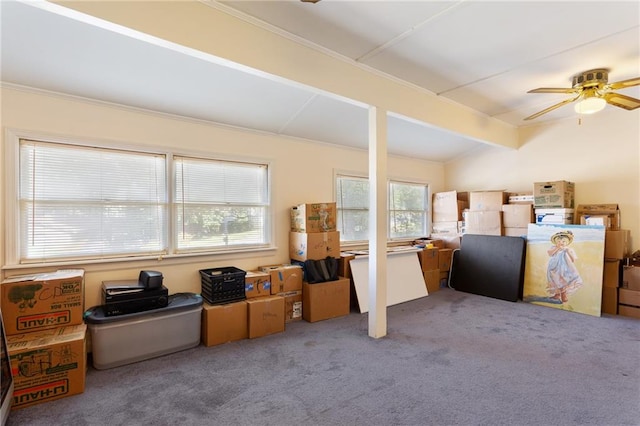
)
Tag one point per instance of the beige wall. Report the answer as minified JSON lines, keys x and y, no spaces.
{"x":601,"y":155}
{"x":302,"y":171}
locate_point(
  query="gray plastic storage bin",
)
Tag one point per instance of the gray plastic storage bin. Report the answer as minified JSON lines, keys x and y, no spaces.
{"x":125,"y":339}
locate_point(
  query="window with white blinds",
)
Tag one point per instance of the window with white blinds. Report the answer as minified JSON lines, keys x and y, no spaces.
{"x":352,"y":208}
{"x":220,"y":204}
{"x":408,"y":209}
{"x":79,"y":202}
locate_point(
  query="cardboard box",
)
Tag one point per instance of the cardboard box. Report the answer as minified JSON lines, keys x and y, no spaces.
{"x":554,"y":215}
{"x":48,"y":364}
{"x":616,"y":243}
{"x":596,"y":220}
{"x":449,"y":241}
{"x":487,"y":200}
{"x":432,"y":280}
{"x":42,"y":301}
{"x":448,"y":206}
{"x":628,"y":297}
{"x":266,"y":316}
{"x":317,"y":245}
{"x":515,"y":232}
{"x":224,"y":323}
{"x":450,"y":228}
{"x":292,"y":305}
{"x":612,"y":273}
{"x":631,"y":277}
{"x":344,"y":268}
{"x":629,"y":311}
{"x":521,"y":198}
{"x":326,"y":300}
{"x":517,"y":215}
{"x":610,"y":210}
{"x":257,"y":284}
{"x":483,"y":222}
{"x":444,"y":259}
{"x":609,"y":304}
{"x":558,"y":194}
{"x":284,"y":278}
{"x":314,"y":217}
{"x":428,"y":258}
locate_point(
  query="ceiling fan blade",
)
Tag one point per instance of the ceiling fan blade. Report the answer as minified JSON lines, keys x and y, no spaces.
{"x":551,"y":108}
{"x":622,"y":101}
{"x":624,"y":83}
{"x":553,"y":90}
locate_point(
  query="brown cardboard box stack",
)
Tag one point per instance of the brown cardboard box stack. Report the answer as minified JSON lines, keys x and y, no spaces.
{"x":313,"y":236}
{"x":43,"y":318}
{"x":554,"y":202}
{"x":260,"y":314}
{"x":629,"y":293}
{"x":447,"y":209}
{"x":485,"y":213}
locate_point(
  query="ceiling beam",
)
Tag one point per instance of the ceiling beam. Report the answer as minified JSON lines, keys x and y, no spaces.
{"x":209,"y":33}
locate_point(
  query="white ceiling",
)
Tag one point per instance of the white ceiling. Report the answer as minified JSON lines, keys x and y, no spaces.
{"x":484,"y":55}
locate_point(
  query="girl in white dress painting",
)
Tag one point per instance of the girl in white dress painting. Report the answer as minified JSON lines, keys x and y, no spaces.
{"x":563,"y":277}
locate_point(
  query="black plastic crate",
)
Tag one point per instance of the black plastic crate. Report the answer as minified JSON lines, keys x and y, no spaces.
{"x":223,"y":285}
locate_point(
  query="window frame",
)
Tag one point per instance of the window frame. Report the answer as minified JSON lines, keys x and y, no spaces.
{"x":408,"y":181}
{"x":11,"y":175}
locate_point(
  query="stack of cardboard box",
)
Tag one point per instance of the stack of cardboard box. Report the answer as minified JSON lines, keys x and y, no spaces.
{"x":485,"y":213}
{"x":554,"y":202}
{"x":314,"y":236}
{"x":629,"y":292}
{"x":616,"y":249}
{"x":262,"y":313}
{"x":447,"y":220}
{"x":517,"y":214}
{"x":43,"y":319}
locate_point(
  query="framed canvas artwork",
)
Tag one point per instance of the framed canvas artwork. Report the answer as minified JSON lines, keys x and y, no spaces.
{"x":564,"y":266}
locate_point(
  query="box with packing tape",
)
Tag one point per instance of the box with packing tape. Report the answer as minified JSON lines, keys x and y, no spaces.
{"x":607,"y":215}
{"x":42,"y":301}
{"x":313,"y":217}
{"x":48,"y":364}
{"x":558,"y":194}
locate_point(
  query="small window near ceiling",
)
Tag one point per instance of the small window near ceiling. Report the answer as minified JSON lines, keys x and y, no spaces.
{"x":220,"y":204}
{"x":79,"y":202}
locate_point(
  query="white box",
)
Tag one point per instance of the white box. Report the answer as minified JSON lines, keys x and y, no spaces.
{"x":559,"y":216}
{"x":125,"y":339}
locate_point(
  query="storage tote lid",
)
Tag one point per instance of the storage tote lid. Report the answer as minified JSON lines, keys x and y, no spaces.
{"x":177,"y":302}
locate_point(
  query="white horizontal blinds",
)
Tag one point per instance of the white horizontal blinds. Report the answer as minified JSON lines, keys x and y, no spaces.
{"x":220,"y":204}
{"x":80,"y":202}
{"x":352,"y":202}
{"x":407,"y":210}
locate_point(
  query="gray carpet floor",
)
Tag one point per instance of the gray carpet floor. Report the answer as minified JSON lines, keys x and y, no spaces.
{"x":451,"y":358}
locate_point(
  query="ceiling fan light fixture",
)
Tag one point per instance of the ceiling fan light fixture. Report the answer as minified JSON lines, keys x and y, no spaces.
{"x":590,"y":105}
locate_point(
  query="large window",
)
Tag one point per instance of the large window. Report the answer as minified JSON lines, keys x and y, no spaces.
{"x":83,"y":203}
{"x":408,"y":209}
{"x":87,"y":203}
{"x":219,"y":204}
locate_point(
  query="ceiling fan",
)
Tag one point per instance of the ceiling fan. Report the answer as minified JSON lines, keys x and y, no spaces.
{"x":592,"y":91}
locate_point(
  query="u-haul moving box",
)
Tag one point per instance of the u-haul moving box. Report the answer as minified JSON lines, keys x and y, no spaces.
{"x":42,"y":301}
{"x":48,"y":364}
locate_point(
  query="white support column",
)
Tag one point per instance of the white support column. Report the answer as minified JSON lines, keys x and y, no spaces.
{"x":377,"y":222}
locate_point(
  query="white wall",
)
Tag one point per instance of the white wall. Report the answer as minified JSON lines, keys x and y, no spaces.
{"x":302,"y":171}
{"x":601,"y":155}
